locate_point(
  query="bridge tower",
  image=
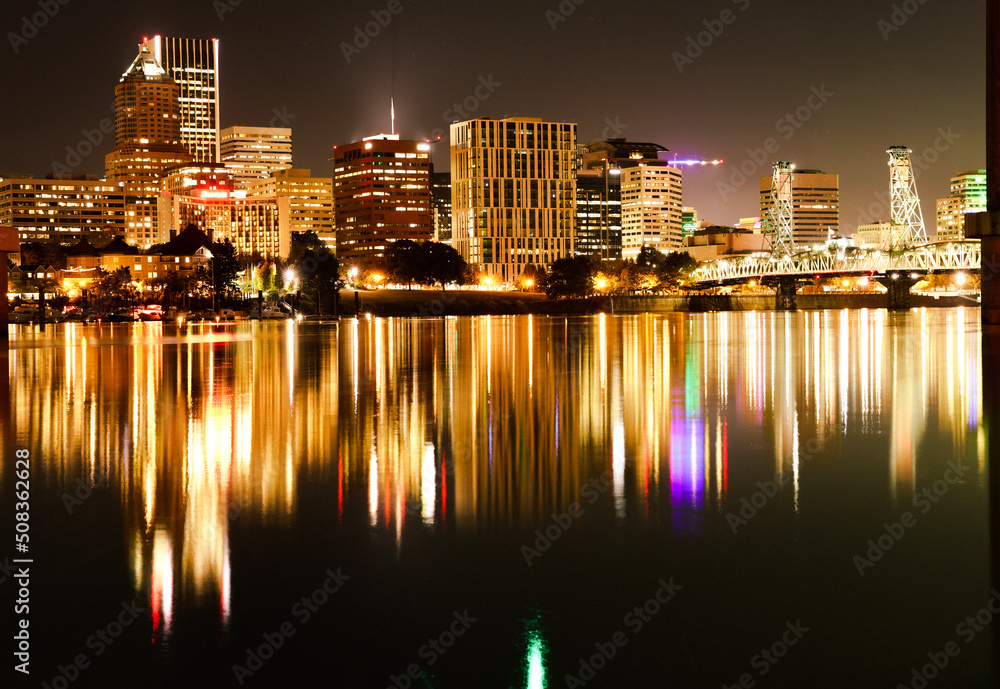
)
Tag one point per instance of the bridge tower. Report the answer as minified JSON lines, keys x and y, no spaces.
{"x":906,"y":219}
{"x":779,"y":215}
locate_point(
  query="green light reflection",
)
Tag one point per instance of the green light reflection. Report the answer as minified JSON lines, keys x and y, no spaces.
{"x":534,"y":661}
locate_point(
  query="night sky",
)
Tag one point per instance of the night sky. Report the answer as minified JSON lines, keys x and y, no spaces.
{"x":611,"y":67}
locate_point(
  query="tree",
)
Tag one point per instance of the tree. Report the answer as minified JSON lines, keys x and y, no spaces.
{"x":442,"y":264}
{"x":675,"y":266}
{"x":570,"y":277}
{"x":225,"y":265}
{"x":318,"y":272}
{"x":114,"y":289}
{"x":402,"y":260}
{"x":43,"y":254}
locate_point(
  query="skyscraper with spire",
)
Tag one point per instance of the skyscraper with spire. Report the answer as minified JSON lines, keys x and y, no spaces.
{"x":147,"y":142}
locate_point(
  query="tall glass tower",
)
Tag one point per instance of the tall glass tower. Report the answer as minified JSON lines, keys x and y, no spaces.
{"x":193,"y":63}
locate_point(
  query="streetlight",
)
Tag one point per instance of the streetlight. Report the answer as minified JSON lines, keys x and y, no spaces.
{"x":354,"y":276}
{"x":212,"y":257}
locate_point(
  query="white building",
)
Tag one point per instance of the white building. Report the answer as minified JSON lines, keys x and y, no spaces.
{"x":652,"y":208}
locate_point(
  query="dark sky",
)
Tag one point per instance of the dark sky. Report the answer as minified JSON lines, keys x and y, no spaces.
{"x":611,"y":67}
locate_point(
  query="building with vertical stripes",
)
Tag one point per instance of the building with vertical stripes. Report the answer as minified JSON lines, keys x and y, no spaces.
{"x":193,"y":64}
{"x":513,"y":193}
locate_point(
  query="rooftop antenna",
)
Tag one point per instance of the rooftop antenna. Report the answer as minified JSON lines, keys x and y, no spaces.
{"x":392,"y":115}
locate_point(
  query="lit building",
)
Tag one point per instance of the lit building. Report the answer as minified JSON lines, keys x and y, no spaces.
{"x":60,"y":208}
{"x":203,"y":196}
{"x":689,"y":221}
{"x":651,"y":208}
{"x":310,"y":200}
{"x":651,"y":193}
{"x":599,"y":214}
{"x":968,"y":195}
{"x":83,"y":258}
{"x":441,"y":206}
{"x":381,"y":192}
{"x":193,"y":63}
{"x":815,"y":206}
{"x":253,"y":153}
{"x":147,"y":142}
{"x":513,"y":193}
{"x":875,"y":235}
{"x":749,"y":224}
{"x":712,"y":242}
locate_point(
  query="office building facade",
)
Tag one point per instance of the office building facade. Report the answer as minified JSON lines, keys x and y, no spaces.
{"x":651,"y":193}
{"x":310,"y":200}
{"x":815,"y":206}
{"x":513,"y":193}
{"x":441,"y":206}
{"x":651,"y":208}
{"x":147,"y":142}
{"x":254,"y":153}
{"x":61,"y":209}
{"x":599,"y":214}
{"x":193,"y":64}
{"x":205,"y":196}
{"x":968,"y":195}
{"x":381,"y":194}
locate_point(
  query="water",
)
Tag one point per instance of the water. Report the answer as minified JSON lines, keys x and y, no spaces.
{"x":601,"y":501}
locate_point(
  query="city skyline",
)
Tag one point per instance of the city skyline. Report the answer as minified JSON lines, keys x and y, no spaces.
{"x":734,"y":80}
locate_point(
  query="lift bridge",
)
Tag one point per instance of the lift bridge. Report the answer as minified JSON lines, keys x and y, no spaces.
{"x":903,"y":257}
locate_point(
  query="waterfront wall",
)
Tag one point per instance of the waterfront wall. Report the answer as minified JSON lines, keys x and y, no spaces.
{"x":738,"y":302}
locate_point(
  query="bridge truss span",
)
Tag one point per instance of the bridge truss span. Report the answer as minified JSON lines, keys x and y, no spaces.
{"x":842,"y":260}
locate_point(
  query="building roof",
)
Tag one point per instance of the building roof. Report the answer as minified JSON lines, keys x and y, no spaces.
{"x":145,"y":65}
{"x":118,"y":246}
{"x":623,"y":148}
{"x":186,"y":243}
{"x":82,"y":248}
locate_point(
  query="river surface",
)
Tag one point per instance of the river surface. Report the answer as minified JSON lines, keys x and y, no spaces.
{"x":677,"y":500}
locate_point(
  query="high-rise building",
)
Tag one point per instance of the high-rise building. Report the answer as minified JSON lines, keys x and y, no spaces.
{"x":968,"y":195}
{"x":651,"y":207}
{"x":310,"y":200}
{"x":252,"y":153}
{"x":815,"y":206}
{"x":599,"y":213}
{"x":441,"y":206}
{"x":147,"y":142}
{"x":61,"y":209}
{"x":513,"y":193}
{"x":651,"y":193}
{"x":204,"y":195}
{"x":381,"y":194}
{"x":193,"y":64}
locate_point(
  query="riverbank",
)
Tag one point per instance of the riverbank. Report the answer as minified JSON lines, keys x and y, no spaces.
{"x":431,"y":303}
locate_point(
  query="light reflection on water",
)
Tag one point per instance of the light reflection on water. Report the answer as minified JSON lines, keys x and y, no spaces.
{"x":473,"y":426}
